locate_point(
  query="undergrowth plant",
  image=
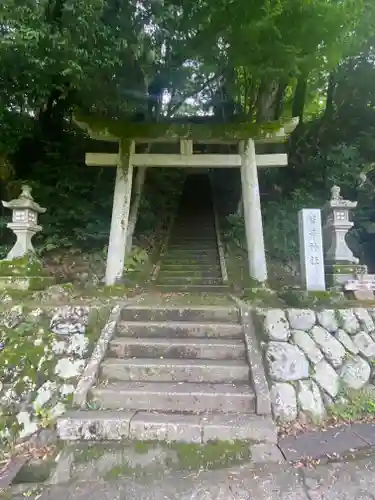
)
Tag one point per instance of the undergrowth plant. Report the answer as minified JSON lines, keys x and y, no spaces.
{"x":357,"y":405}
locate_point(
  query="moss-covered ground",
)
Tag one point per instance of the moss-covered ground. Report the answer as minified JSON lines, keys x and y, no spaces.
{"x":144,"y":458}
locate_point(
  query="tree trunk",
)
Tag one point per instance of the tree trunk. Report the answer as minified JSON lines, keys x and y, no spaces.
{"x":279,"y":99}
{"x":134,"y":209}
{"x":239,"y":210}
{"x":330,"y":93}
{"x":299,"y":98}
{"x":266,"y":101}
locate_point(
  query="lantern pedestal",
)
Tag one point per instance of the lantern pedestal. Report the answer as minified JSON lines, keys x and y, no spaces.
{"x":23,"y":244}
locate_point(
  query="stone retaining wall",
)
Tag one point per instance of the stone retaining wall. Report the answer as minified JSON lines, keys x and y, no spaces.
{"x":57,"y":345}
{"x":311,"y":357}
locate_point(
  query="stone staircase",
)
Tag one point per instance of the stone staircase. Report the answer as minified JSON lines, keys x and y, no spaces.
{"x":173,"y":374}
{"x":192,"y":258}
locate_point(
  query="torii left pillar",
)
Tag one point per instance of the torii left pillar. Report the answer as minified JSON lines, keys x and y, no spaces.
{"x":120,"y":214}
{"x":252,"y":213}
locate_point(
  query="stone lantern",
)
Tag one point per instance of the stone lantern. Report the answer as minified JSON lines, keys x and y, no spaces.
{"x":24,"y":222}
{"x":341,"y":265}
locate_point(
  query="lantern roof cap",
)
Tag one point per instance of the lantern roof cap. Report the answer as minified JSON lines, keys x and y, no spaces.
{"x":24,"y":201}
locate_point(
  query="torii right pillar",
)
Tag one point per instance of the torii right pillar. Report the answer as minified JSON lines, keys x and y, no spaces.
{"x":252,"y":212}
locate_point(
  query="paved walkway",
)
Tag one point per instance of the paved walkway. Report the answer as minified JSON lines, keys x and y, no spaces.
{"x":329,"y":442}
{"x":353,"y":480}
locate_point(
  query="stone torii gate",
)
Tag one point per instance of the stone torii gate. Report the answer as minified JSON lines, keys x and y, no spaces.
{"x":184,"y":137}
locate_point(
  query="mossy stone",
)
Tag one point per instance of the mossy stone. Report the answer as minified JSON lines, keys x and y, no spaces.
{"x":111,"y":128}
{"x":24,"y":273}
{"x":28,"y":265}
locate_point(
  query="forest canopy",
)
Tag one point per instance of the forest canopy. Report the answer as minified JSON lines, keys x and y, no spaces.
{"x":248,"y":60}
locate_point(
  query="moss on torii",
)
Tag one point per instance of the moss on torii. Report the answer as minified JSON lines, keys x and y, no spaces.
{"x":111,"y":129}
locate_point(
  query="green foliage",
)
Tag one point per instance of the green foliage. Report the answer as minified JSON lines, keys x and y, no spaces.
{"x":23,"y":266}
{"x":303,"y":298}
{"x":135,"y":260}
{"x":358,"y":405}
{"x":100,"y":56}
{"x":313,"y":178}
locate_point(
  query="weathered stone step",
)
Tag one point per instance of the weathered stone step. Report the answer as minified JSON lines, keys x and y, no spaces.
{"x":188,"y":267}
{"x":175,"y":370}
{"x":212,"y":256}
{"x":172,"y":329}
{"x":182,"y":243}
{"x":191,"y":261}
{"x":192,"y":252}
{"x":192,"y":247}
{"x":193,"y":273}
{"x":200,"y":234}
{"x":207,"y":238}
{"x":166,"y":396}
{"x":214,"y":289}
{"x":197,"y":259}
{"x":178,"y":348}
{"x":110,"y":425}
{"x":191,"y":280}
{"x":195,"y":314}
{"x":193,"y":222}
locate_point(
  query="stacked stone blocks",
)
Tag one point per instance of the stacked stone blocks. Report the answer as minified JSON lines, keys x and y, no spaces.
{"x":311,"y":356}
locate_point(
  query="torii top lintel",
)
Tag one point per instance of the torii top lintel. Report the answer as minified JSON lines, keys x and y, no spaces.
{"x":113,"y":130}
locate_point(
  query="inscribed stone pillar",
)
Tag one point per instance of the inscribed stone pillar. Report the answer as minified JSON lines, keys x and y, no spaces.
{"x":252,"y":213}
{"x":120,"y":215}
{"x":311,"y":249}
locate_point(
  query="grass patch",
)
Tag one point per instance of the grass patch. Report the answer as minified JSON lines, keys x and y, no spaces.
{"x":89,"y":452}
{"x":359,"y":405}
{"x":142,"y":447}
{"x":125,"y":469}
{"x":262,"y":296}
{"x":213,"y":455}
{"x":141,"y":458}
{"x":303,"y":298}
{"x":97,"y":319}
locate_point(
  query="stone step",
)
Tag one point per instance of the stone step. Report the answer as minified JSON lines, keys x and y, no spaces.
{"x":192,"y":252}
{"x":193,"y":273}
{"x":207,"y":238}
{"x":195,"y":314}
{"x":193,"y":258}
{"x":173,"y":329}
{"x":175,"y":370}
{"x":186,"y":397}
{"x":170,"y":280}
{"x":199,"y":233}
{"x":184,"y":242}
{"x":214,"y":289}
{"x":189,"y":267}
{"x":193,"y":247}
{"x":107,"y":425}
{"x":190,"y":261}
{"x":177,"y":348}
{"x":193,"y":222}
